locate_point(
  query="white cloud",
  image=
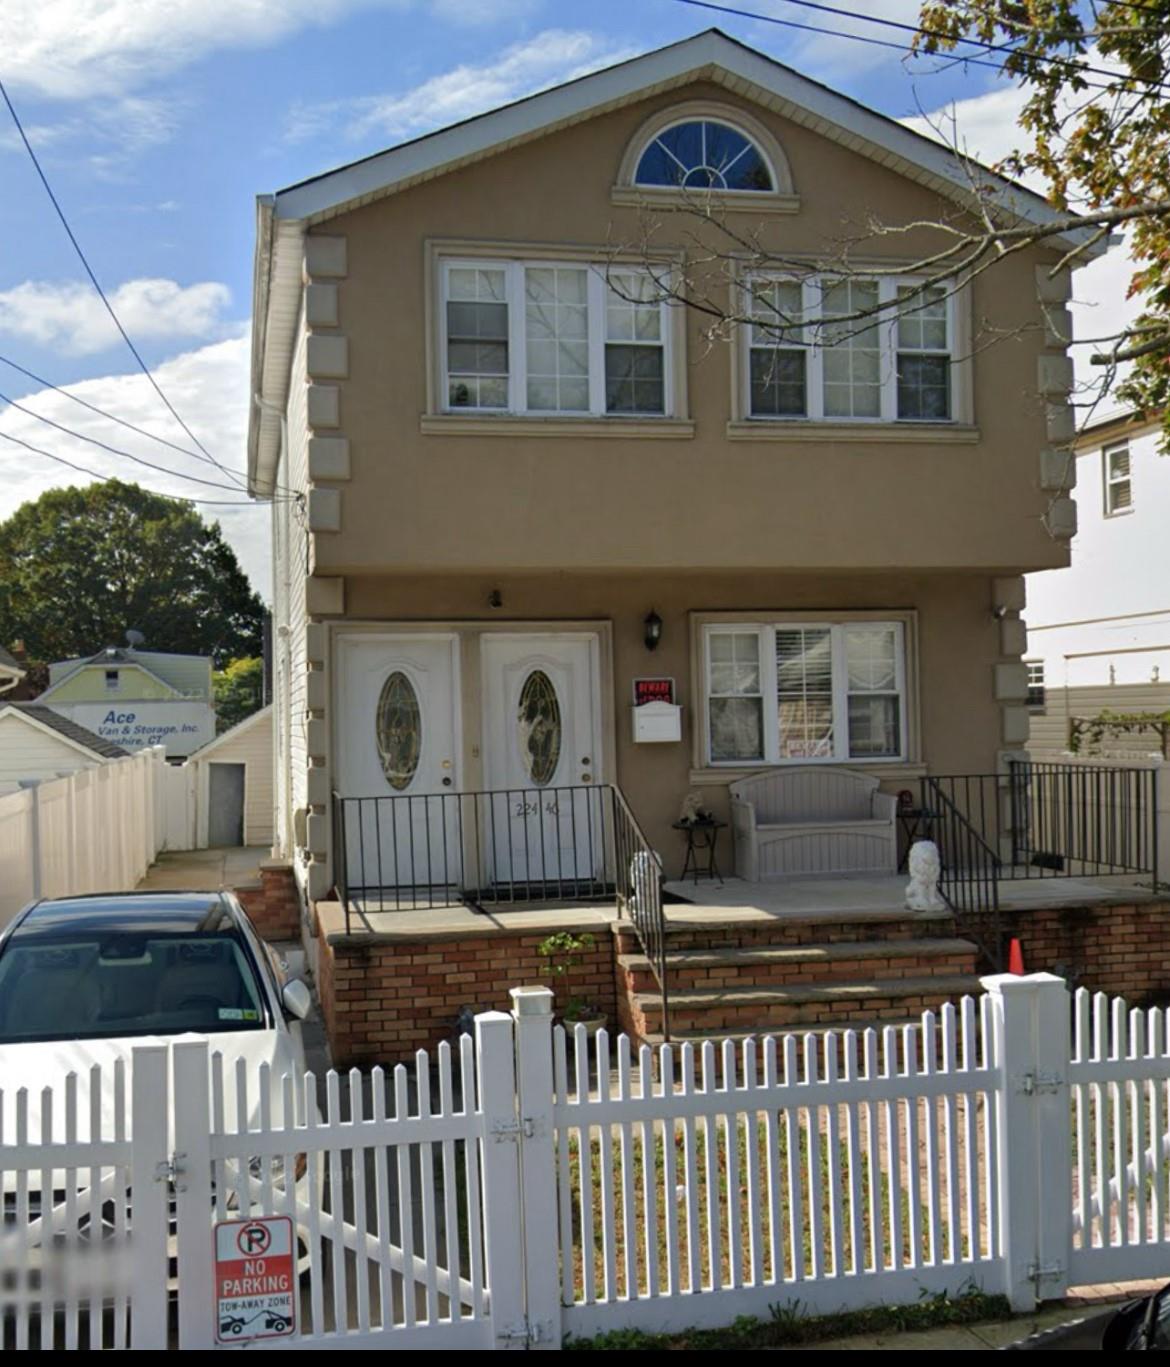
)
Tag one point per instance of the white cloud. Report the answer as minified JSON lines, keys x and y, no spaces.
{"x":76,"y":49}
{"x":827,"y":55}
{"x":208,"y":386}
{"x":547,"y":59}
{"x":70,"y":316}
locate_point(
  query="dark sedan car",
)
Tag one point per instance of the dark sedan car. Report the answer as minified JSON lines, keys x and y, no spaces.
{"x":1136,"y":1326}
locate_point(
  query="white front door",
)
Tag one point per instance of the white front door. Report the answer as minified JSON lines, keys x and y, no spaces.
{"x":542,"y":739}
{"x":398,"y":757}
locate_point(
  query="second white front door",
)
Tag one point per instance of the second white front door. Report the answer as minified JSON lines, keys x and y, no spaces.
{"x":542,"y":758}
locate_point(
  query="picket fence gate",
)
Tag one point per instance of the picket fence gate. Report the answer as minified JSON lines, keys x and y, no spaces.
{"x":528,"y":1184}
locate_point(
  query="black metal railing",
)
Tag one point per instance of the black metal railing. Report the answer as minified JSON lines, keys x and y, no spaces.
{"x":1056,"y":820}
{"x":639,"y":893}
{"x":500,"y":847}
{"x":969,"y":867}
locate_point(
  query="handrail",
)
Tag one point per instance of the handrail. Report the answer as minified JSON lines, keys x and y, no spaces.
{"x":970,"y":869}
{"x":640,"y":893}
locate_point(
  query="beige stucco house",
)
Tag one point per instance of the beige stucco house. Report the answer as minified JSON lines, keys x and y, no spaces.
{"x":508,"y":484}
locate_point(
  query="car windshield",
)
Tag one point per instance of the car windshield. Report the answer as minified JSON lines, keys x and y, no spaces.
{"x":113,"y":983}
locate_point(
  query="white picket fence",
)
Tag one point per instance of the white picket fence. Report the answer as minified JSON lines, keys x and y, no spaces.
{"x":528,"y":1185}
{"x":96,"y":830}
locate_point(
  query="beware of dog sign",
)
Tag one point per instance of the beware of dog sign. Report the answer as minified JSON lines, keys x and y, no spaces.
{"x":255,"y":1280}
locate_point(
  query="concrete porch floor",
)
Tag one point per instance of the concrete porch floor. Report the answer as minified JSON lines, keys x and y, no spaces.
{"x":205,"y":870}
{"x":734,"y":901}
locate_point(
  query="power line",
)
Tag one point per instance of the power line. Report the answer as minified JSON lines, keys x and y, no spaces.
{"x":93,"y":408}
{"x":113,"y":450}
{"x":106,"y":479}
{"x":980,"y":43}
{"x":101,"y":293}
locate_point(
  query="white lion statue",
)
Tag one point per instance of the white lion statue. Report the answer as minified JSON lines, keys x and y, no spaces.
{"x":922,"y":890}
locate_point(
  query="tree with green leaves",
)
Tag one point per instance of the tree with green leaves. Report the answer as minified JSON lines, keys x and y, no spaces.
{"x":1097,"y":128}
{"x":238,"y":690}
{"x":81,"y":566}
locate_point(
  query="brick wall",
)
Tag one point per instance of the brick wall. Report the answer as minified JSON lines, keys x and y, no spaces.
{"x":1123,"y":949}
{"x":382,"y":1000}
{"x":274,"y":907}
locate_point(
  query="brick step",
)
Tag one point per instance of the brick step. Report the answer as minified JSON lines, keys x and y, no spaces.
{"x":828,"y":928}
{"x":782,"y":1008}
{"x":731,"y":966}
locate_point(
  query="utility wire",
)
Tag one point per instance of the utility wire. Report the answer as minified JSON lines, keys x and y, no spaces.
{"x":101,"y":293}
{"x":106,"y":479}
{"x":114,"y":450}
{"x":93,"y":408}
{"x":980,"y":43}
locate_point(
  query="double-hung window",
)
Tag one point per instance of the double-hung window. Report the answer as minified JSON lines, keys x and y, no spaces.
{"x":1118,"y":480}
{"x":804,"y":692}
{"x":858,"y":349}
{"x":554,"y":338}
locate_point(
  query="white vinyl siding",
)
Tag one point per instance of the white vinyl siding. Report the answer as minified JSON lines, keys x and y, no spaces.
{"x":553,"y":337}
{"x":806,"y":357}
{"x":805,"y":692}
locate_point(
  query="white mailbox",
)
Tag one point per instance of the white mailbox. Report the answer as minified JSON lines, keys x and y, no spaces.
{"x":657,"y":721}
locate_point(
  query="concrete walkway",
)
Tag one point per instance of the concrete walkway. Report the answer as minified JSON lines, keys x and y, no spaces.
{"x":205,"y":870}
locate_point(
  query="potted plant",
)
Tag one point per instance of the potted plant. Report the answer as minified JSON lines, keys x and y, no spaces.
{"x":565,"y":951}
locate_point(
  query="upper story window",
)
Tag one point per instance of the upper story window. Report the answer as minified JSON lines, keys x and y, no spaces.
{"x":1118,"y":481}
{"x":700,"y":154}
{"x":547,"y":338}
{"x":838,"y":350}
{"x":797,"y":692}
{"x":112,"y":679}
{"x":1035,"y":670}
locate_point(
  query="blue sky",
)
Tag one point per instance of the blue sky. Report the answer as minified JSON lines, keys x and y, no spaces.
{"x":158,"y":121}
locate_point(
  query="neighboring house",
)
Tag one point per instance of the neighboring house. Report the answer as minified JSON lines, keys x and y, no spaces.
{"x":36,"y":742}
{"x":10,"y":672}
{"x":1099,"y":631}
{"x":524,"y":490}
{"x":137,"y":697}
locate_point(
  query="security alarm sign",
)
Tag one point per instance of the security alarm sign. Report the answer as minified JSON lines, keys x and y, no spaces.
{"x":255,"y":1280}
{"x":653,"y":690}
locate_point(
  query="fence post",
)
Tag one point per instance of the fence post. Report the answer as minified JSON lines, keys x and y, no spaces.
{"x":1161,"y":821}
{"x":148,"y":1172}
{"x":1030,"y":1049}
{"x":32,"y":787}
{"x":193,"y":1209}
{"x":532,"y":1009}
{"x":500,"y":1152}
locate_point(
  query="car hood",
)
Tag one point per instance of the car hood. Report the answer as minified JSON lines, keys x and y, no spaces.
{"x":36,"y":1066}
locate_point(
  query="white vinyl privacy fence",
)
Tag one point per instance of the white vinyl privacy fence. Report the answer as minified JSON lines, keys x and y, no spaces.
{"x":96,"y":830}
{"x":527,"y":1185}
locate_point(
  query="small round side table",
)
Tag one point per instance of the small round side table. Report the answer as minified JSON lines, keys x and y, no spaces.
{"x":701,"y":838}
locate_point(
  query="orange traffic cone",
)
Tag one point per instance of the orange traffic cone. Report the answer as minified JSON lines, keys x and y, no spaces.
{"x":1016,"y":958}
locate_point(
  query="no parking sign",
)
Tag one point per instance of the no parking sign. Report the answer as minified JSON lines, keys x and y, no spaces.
{"x":255,"y":1280}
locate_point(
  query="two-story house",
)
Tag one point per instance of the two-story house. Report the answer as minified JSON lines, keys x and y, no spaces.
{"x":1099,"y":631}
{"x":512,"y":485}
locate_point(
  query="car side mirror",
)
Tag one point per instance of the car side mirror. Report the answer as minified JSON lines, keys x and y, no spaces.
{"x":296,"y":999}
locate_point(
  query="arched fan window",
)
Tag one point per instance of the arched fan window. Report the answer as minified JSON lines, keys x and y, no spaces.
{"x":704,"y":154}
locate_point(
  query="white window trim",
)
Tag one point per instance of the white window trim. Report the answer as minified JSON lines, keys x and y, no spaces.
{"x":888,"y":287}
{"x":596,"y":289}
{"x":765,"y":631}
{"x":1110,"y":481}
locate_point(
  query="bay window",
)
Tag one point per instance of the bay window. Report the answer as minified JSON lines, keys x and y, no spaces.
{"x":832,"y":350}
{"x":805,"y":692}
{"x":553,"y":338}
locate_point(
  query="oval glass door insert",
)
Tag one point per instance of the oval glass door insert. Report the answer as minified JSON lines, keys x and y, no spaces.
{"x":538,"y":726}
{"x":399,"y":731}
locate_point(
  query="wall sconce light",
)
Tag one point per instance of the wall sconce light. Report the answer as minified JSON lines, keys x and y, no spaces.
{"x":495,"y":599}
{"x":652,"y":624}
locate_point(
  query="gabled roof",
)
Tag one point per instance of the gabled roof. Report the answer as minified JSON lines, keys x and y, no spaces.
{"x":79,"y":665}
{"x":77,"y":736}
{"x":263,"y":714}
{"x":168,"y":668}
{"x":283,"y":218}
